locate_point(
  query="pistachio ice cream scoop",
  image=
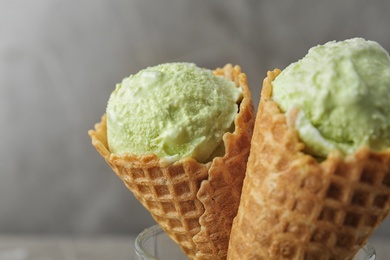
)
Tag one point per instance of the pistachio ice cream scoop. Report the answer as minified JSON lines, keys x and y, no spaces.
{"x":342,"y":92}
{"x":173,"y":110}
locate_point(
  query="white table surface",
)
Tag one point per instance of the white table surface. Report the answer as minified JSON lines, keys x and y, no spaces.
{"x":99,"y":248}
{"x":66,"y":248}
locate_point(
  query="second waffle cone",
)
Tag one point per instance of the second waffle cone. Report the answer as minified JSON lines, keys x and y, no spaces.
{"x":194,"y":203}
{"x":294,"y":207}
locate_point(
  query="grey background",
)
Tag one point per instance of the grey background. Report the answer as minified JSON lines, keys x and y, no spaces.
{"x":60,"y":60}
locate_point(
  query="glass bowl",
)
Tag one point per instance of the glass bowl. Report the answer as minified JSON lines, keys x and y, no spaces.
{"x":154,"y":244}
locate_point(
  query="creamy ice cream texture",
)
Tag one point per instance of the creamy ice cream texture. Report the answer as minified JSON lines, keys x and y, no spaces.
{"x":174,"y":110}
{"x":342,"y":92}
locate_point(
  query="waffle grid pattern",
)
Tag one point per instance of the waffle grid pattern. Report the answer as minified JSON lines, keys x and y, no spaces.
{"x":222,"y":207}
{"x":169,"y":193}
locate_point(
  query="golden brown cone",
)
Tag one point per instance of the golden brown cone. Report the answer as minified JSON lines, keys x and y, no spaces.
{"x":293,"y":207}
{"x":194,"y":203}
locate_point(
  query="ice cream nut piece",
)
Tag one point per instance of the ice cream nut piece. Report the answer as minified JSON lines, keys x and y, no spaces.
{"x":293,"y":205}
{"x":193,"y":201}
{"x":342,"y":91}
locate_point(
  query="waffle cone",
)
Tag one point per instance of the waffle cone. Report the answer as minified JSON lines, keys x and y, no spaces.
{"x":294,"y":207}
{"x":194,"y":203}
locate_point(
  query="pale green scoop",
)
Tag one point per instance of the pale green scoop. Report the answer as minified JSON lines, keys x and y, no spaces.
{"x":173,"y":110}
{"x":342,"y":90}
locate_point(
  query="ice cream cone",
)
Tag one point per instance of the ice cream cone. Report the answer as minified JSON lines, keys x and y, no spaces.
{"x":194,"y":203}
{"x":294,"y":207}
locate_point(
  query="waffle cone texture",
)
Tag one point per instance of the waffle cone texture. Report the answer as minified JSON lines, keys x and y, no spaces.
{"x":294,"y":207}
{"x":194,"y":203}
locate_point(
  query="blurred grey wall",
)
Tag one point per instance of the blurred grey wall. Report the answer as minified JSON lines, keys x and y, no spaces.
{"x":60,"y":60}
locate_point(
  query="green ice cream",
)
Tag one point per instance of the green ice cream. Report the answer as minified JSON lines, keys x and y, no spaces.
{"x":342,"y":90}
{"x":174,"y":110}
